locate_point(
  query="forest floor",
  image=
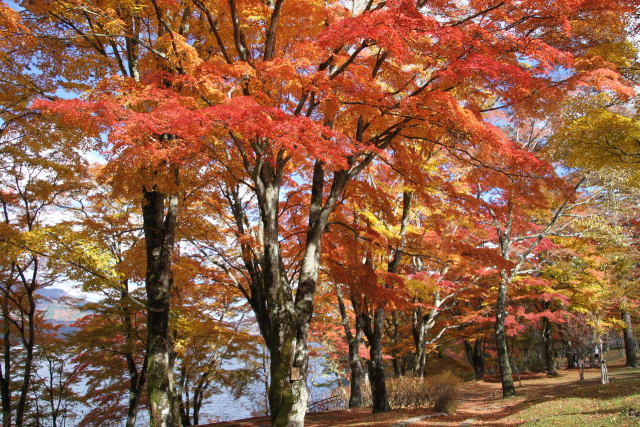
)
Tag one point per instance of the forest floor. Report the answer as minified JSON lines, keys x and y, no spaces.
{"x":541,"y":401}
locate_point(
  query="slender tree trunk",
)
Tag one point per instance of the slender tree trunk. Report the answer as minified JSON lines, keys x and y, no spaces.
{"x":375,"y":331}
{"x":392,"y":330}
{"x":376,"y":364}
{"x":506,"y":376}
{"x":159,"y":230}
{"x":475,"y":356}
{"x":630,"y":344}
{"x":418,"y":332}
{"x":136,"y":378}
{"x":357,"y":395}
{"x":571,"y":361}
{"x":29,"y":345}
{"x":396,"y":367}
{"x":604,"y":373}
{"x":136,"y":384}
{"x":6,"y":375}
{"x":547,"y":336}
{"x":421,"y":324}
{"x":183,"y":402}
{"x":197,"y":404}
{"x":198,"y":395}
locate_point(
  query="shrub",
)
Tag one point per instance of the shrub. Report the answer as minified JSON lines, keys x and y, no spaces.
{"x":443,"y":391}
{"x":439,"y":391}
{"x":408,"y":393}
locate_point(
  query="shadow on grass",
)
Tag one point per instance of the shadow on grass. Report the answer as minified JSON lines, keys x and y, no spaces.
{"x":624,"y":382}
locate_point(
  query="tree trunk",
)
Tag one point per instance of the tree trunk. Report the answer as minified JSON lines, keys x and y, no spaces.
{"x":547,"y":336}
{"x":282,"y":315}
{"x":506,"y":376}
{"x":159,"y":231}
{"x":475,"y":356}
{"x":396,"y":367}
{"x":357,"y":395}
{"x":136,"y":383}
{"x":288,"y":395}
{"x":136,"y":379}
{"x":373,"y":325}
{"x":604,"y":372}
{"x":418,"y":326}
{"x":198,"y":396}
{"x":392,"y":332}
{"x":6,"y":375}
{"x":571,"y":356}
{"x":284,"y":318}
{"x":29,"y":345}
{"x":375,"y":331}
{"x":376,"y":364}
{"x":183,"y":402}
{"x":630,"y":344}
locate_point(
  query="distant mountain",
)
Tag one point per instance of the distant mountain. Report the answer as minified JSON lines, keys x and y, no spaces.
{"x":53,"y":293}
{"x":55,"y":308}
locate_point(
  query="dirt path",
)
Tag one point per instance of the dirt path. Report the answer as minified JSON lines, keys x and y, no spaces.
{"x":480,"y":404}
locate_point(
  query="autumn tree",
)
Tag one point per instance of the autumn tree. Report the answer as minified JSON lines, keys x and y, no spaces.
{"x":375,"y":252}
{"x":36,"y":177}
{"x":54,"y":390}
{"x":213,"y":333}
{"x":40,"y":167}
{"x":99,"y":247}
{"x":579,"y":334}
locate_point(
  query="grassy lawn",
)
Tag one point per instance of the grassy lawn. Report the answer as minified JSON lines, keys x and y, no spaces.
{"x":586,"y":404}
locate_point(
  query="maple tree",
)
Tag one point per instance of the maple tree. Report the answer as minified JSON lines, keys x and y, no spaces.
{"x":613,"y":230}
{"x":35,"y":178}
{"x":54,"y":389}
{"x":99,"y":247}
{"x":370,"y":290}
{"x":212,"y":334}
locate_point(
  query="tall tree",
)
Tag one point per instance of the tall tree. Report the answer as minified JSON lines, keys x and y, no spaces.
{"x":36,"y":176}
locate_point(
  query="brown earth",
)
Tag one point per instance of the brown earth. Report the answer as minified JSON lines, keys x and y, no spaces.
{"x":480,"y":404}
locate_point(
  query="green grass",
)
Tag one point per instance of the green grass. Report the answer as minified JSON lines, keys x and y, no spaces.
{"x":586,"y":404}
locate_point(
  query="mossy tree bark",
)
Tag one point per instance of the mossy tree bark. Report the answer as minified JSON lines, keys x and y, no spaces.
{"x":159,"y":231}
{"x":284,"y":315}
